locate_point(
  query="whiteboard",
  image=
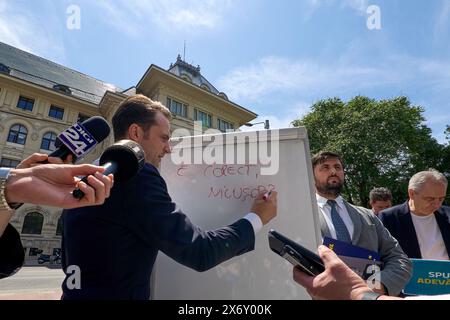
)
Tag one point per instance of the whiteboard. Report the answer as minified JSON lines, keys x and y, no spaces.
{"x":215,"y":195}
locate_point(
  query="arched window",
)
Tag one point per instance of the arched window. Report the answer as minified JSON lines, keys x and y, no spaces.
{"x":48,"y":141}
{"x":59,"y":227}
{"x":186,"y":77}
{"x":62,"y":88}
{"x":223,"y":95}
{"x":4,"y":69}
{"x":33,"y":223}
{"x":204,"y":86}
{"x":17,"y":134}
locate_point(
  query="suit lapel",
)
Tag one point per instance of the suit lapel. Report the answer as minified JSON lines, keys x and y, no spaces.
{"x":409,"y":232}
{"x":324,"y":226}
{"x":444,"y":225}
{"x":357,"y":223}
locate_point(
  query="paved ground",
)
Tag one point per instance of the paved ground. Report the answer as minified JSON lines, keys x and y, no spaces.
{"x":32,"y":283}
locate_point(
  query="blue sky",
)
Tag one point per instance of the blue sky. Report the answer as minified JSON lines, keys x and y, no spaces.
{"x":273,"y":57}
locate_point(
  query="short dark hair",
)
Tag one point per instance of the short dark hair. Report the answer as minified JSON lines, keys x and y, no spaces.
{"x":380,"y":194}
{"x":323,"y":156}
{"x":137,"y":109}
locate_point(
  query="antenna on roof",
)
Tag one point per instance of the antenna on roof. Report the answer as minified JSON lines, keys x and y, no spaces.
{"x":184,"y":51}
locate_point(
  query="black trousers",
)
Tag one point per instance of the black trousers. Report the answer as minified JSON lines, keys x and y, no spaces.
{"x":12,"y":254}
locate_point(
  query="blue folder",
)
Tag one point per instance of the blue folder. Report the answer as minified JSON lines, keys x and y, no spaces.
{"x":362,"y":261}
{"x":347,"y":249}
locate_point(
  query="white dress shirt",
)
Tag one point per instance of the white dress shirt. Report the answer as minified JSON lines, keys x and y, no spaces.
{"x":429,"y":236}
{"x":255,"y":220}
{"x":341,"y":209}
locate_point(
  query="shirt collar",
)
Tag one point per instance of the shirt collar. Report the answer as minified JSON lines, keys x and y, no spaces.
{"x":321,"y":201}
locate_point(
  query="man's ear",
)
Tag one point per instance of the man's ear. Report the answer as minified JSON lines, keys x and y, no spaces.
{"x":411,"y":193}
{"x":134,"y":132}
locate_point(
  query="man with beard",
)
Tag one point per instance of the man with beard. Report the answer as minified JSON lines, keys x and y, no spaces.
{"x":356,"y":225}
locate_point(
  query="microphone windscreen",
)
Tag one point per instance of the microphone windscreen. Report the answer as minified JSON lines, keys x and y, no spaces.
{"x":129,"y":157}
{"x":98,"y":127}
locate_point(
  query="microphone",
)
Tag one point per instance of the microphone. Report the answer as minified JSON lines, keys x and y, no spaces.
{"x":81,"y":138}
{"x":124,"y":159}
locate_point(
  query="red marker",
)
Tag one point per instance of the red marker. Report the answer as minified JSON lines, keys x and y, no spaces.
{"x":266,"y":195}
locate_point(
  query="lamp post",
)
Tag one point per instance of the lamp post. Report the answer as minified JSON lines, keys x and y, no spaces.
{"x":266,"y":124}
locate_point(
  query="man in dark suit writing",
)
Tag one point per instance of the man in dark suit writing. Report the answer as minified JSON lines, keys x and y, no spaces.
{"x":422,"y":224}
{"x":115,"y":245}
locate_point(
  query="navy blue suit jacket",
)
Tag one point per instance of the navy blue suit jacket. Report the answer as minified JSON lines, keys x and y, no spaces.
{"x":399,"y":223}
{"x":115,"y":244}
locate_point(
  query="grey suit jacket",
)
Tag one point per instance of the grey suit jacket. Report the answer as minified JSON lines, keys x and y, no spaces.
{"x":370,"y":233}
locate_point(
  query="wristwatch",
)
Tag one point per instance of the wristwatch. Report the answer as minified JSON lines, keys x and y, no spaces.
{"x":370,"y":295}
{"x":4,"y":205}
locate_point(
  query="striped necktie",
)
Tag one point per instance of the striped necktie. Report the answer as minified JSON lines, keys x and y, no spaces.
{"x":339,"y":225}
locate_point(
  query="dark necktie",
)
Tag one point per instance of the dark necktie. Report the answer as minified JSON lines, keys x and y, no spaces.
{"x":339,"y":225}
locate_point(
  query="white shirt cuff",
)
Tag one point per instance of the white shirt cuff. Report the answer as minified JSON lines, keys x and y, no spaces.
{"x":255,"y":220}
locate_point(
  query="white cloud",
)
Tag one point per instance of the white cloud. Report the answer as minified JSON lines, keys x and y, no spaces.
{"x":360,"y":6}
{"x":277,"y":121}
{"x":441,"y":26}
{"x":308,"y":78}
{"x":280,"y":75}
{"x":21,"y":29}
{"x":135,"y":16}
{"x":289,"y":80}
{"x":438,"y":119}
{"x":441,"y":138}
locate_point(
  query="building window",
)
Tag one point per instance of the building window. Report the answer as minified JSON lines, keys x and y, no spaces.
{"x":25,"y":103}
{"x":17,"y":134}
{"x":56,"y":112}
{"x":186,"y":77}
{"x":223,"y":125}
{"x":204,"y":86}
{"x":48,"y":141}
{"x":9,"y":163}
{"x":62,"y":88}
{"x":177,"y":108}
{"x":33,"y":223}
{"x":59,"y":227}
{"x":35,"y":251}
{"x":203,"y":117}
{"x":82,"y":117}
{"x":4,"y":69}
{"x":223,"y":95}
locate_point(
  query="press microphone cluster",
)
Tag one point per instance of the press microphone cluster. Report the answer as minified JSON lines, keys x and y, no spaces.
{"x":124,"y":159}
{"x":81,"y":138}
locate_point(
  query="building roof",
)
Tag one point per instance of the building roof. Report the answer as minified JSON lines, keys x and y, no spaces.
{"x":192,"y":74}
{"x":150,"y":78}
{"x":37,"y":70}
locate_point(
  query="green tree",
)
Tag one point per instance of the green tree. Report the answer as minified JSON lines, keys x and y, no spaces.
{"x":383,"y":143}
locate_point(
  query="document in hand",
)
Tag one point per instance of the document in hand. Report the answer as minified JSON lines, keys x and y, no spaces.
{"x":430,"y":277}
{"x":364,"y":262}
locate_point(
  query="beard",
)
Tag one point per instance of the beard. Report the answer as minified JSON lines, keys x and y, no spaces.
{"x":331,"y":189}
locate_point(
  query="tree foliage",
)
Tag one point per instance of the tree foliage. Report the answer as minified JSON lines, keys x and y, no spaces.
{"x":382,"y":142}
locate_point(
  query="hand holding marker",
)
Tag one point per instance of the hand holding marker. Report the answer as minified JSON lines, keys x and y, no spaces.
{"x":267,"y":195}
